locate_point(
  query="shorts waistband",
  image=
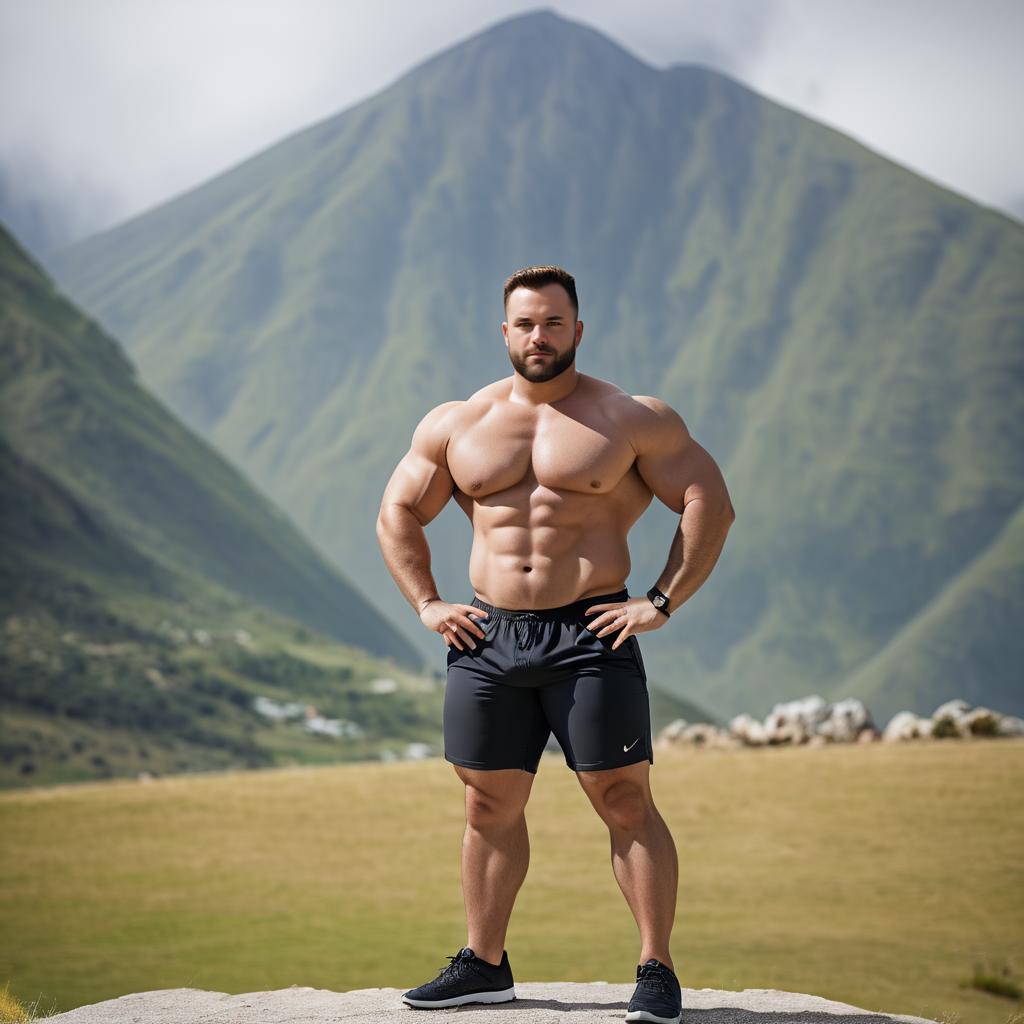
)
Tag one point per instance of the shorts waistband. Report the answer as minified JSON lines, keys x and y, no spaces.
{"x":565,"y":613}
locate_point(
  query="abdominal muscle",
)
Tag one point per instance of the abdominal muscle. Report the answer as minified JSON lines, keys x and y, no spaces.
{"x":564,"y":547}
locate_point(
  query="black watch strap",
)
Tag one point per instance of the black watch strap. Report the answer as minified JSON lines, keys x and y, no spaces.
{"x":659,"y":600}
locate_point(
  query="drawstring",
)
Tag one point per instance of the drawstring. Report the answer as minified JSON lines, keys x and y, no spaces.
{"x":526,"y":626}
{"x":527,"y":623}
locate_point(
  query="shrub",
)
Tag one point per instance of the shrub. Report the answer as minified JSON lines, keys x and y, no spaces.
{"x":996,"y":982}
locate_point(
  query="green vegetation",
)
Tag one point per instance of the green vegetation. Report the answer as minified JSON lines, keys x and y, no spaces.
{"x":100,"y":480}
{"x":177,"y":694}
{"x":842,"y":335}
{"x":996,"y":980}
{"x":867,"y":874}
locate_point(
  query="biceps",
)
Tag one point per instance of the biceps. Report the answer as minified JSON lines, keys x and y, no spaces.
{"x":681,"y":473}
{"x":421,"y":485}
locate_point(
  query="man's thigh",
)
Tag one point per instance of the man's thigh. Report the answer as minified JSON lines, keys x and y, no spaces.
{"x":490,"y":726}
{"x":601,"y":718}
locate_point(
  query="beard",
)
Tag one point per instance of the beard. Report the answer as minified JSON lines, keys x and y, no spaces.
{"x":549,"y":368}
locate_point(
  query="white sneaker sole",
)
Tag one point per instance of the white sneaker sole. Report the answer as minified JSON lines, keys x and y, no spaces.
{"x":648,"y":1016}
{"x":505,"y":995}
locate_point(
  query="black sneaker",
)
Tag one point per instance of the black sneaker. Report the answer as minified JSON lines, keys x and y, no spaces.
{"x":657,"y":996}
{"x":467,"y":979}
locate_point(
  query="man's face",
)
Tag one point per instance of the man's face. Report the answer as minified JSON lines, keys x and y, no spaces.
{"x":541,"y":332}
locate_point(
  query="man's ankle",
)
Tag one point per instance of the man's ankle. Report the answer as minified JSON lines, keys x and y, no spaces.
{"x":662,"y":959}
{"x":487,"y":955}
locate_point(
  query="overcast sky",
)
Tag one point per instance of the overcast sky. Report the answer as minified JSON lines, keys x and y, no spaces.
{"x":108,"y":107}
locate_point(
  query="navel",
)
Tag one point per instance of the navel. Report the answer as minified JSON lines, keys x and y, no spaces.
{"x":527,"y":568}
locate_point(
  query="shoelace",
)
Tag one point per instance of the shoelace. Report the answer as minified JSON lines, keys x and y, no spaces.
{"x":652,"y":977}
{"x":457,"y":965}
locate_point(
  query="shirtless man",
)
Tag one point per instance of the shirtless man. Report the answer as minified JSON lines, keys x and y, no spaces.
{"x":552,"y":467}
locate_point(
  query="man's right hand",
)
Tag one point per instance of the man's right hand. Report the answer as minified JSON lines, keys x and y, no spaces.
{"x":454,"y":622}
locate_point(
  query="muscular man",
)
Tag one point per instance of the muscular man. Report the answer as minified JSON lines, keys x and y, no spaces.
{"x":552,"y":467}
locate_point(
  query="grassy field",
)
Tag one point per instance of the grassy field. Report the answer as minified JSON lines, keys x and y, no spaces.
{"x":880,"y":875}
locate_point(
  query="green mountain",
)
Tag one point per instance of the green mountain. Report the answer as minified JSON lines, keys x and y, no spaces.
{"x":148,"y":595}
{"x":842,"y":335}
{"x":69,"y":402}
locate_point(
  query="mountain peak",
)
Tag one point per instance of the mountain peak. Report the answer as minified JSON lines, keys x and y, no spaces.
{"x":512,"y":46}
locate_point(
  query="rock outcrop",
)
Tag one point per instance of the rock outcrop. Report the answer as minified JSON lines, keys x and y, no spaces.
{"x":537,"y":1003}
{"x":814,"y":721}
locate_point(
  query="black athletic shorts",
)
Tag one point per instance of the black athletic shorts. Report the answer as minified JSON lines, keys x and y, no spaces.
{"x":534,"y":672}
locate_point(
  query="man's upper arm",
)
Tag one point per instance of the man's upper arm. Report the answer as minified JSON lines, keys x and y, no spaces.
{"x":675,"y":467}
{"x":421,"y":481}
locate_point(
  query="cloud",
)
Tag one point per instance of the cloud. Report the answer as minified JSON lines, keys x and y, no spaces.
{"x":109,"y":107}
{"x":933,"y":85}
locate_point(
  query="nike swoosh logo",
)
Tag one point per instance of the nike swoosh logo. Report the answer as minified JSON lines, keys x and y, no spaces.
{"x":626,"y":750}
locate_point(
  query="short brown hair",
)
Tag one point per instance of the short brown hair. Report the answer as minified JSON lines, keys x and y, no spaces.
{"x":537,"y":277}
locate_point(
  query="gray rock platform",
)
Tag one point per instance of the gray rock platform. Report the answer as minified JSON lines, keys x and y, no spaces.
{"x":536,"y":1003}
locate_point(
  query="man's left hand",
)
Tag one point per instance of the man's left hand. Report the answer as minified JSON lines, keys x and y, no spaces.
{"x":637,"y":615}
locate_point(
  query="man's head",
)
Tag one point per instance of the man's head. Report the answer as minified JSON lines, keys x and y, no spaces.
{"x":542,"y":316}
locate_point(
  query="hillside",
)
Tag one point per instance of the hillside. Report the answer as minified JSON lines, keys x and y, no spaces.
{"x":70,"y":402}
{"x":113,"y":664}
{"x":150,"y":597}
{"x":845,"y":338}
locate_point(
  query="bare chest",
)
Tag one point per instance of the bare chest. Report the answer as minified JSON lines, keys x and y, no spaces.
{"x":550,"y":450}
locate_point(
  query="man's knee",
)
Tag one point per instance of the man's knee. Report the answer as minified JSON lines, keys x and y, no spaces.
{"x":624,"y":804}
{"x":494,"y":799}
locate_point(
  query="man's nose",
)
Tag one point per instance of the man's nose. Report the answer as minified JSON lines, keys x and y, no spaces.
{"x":538,"y":332}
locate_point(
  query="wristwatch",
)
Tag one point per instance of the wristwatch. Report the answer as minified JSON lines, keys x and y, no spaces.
{"x":659,"y":600}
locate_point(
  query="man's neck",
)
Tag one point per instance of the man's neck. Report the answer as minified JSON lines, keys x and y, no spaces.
{"x":529,"y":392}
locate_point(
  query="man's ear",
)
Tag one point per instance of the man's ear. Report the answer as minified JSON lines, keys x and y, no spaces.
{"x":579,"y":331}
{"x":504,"y":330}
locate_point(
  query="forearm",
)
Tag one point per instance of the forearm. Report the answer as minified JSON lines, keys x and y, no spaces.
{"x":698,"y":541}
{"x":403,"y":543}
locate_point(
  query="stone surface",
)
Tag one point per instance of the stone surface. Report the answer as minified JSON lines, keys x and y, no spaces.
{"x":537,"y":1003}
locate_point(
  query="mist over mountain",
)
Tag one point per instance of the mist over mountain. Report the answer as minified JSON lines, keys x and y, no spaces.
{"x":845,"y":338}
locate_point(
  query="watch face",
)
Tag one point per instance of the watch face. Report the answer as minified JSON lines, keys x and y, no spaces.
{"x":658,"y":600}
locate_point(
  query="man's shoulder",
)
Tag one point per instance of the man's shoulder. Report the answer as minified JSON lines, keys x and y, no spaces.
{"x":646,"y":420}
{"x":645,"y":409}
{"x":450,"y":415}
{"x":484,"y":397}
{"x":648,"y":406}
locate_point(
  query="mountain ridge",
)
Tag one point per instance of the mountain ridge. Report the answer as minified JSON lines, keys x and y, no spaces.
{"x":72,"y":404}
{"x":842,"y":335}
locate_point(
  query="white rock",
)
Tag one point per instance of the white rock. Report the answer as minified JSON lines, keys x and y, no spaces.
{"x":846,"y":720}
{"x":673,"y":731}
{"x":905,"y":725}
{"x":748,"y":730}
{"x":700,"y":734}
{"x":1010,"y":725}
{"x":951,"y":719}
{"x":795,"y":721}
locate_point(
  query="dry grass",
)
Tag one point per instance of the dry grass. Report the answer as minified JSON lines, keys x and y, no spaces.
{"x":877,"y":875}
